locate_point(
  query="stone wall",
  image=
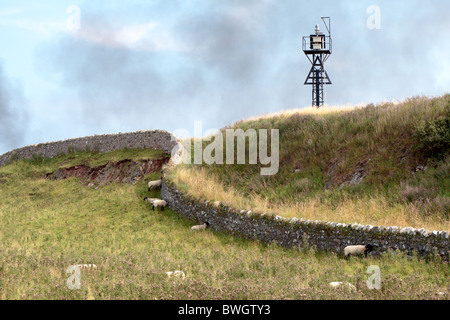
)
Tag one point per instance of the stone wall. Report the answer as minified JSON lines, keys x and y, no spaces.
{"x":328,"y":236}
{"x":155,"y":139}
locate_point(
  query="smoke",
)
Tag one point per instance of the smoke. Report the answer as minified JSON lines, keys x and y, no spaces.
{"x":200,"y":67}
{"x":13,"y":117}
{"x":227,"y":60}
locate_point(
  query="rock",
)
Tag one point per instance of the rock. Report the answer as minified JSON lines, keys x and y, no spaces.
{"x":406,"y":230}
{"x":176,"y":274}
{"x":426,"y":233}
{"x":393,"y":229}
{"x":293,"y":220}
{"x":357,"y":176}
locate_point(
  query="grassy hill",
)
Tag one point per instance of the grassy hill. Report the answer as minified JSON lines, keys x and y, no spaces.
{"x":381,"y":165}
{"x":48,"y":225}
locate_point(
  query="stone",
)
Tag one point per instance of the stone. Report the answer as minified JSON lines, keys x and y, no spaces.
{"x":357,"y":176}
{"x":426,"y":233}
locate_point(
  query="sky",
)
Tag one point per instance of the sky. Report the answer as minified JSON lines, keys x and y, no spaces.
{"x":77,"y":68}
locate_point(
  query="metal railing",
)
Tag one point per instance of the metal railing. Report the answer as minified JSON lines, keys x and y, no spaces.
{"x":307,"y":45}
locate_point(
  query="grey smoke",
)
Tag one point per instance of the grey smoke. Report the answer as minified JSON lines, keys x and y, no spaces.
{"x":235,"y":68}
{"x":13,"y":116}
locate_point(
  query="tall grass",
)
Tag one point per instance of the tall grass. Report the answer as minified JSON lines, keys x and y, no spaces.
{"x":320,"y":151}
{"x":364,"y":209}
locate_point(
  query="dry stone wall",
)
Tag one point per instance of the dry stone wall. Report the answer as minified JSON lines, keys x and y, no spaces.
{"x":155,"y":139}
{"x":327,"y":236}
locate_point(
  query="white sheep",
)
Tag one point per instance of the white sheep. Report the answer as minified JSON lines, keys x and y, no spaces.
{"x":159,"y":203}
{"x":154,"y":184}
{"x":357,"y":249}
{"x":150,"y":200}
{"x":201,"y":226}
{"x":340,"y":283}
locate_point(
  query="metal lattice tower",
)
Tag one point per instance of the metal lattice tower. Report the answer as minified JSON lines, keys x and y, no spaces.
{"x":317,"y":48}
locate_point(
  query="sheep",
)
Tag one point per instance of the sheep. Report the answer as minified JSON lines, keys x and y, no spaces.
{"x":201,"y":226}
{"x":159,"y":203}
{"x":150,"y":200}
{"x":154,"y":184}
{"x":155,"y":202}
{"x":344,"y":284}
{"x":357,"y":249}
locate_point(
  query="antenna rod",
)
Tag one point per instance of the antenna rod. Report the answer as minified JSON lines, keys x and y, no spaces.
{"x":327,"y":26}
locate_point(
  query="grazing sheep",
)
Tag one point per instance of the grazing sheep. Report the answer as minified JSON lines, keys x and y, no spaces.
{"x":201,"y":226}
{"x":358,"y":249}
{"x":150,"y":200}
{"x":159,"y":203}
{"x":344,"y":284}
{"x":154,"y":184}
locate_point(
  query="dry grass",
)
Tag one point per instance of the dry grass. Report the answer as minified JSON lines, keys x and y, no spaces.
{"x":324,"y":110}
{"x":320,"y":152}
{"x":363,"y":210}
{"x":303,"y":111}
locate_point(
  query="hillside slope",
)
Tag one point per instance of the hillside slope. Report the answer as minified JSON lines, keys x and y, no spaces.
{"x":386,"y":165}
{"x":48,"y":225}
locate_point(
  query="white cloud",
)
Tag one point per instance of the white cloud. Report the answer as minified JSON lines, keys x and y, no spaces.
{"x":141,"y":37}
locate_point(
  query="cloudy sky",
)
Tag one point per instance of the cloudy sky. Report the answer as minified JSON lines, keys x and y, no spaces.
{"x":139,"y":65}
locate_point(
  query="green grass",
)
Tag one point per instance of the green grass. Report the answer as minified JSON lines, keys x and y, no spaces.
{"x":48,"y":225}
{"x":389,"y":141}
